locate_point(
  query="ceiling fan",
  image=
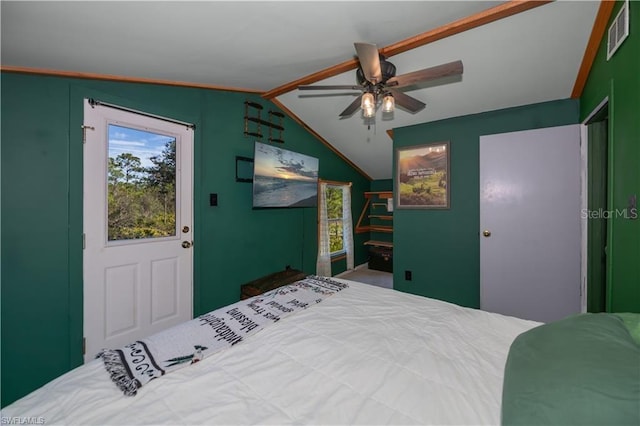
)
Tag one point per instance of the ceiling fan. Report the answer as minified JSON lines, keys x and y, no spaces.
{"x":378,"y":82}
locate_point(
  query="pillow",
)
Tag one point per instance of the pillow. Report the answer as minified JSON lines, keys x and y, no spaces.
{"x":632,"y":322}
{"x":582,"y":370}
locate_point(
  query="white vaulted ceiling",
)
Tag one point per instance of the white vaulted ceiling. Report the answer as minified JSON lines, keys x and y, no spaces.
{"x":530,"y":57}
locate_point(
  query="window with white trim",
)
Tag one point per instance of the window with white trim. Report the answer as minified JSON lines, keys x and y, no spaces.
{"x":335,"y":219}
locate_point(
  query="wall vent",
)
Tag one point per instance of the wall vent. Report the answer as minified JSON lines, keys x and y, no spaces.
{"x":619,"y":30}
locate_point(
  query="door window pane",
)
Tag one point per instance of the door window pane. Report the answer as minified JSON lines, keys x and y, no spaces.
{"x":141,"y":184}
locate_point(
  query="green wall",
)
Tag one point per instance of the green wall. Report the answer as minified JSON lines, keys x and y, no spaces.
{"x":442,"y":247}
{"x":619,"y":80}
{"x":42,"y":212}
{"x":381,"y":185}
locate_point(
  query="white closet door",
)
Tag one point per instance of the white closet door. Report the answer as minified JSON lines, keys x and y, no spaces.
{"x":530,"y":223}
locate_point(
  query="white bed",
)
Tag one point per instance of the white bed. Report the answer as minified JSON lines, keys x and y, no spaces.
{"x":366,"y":355}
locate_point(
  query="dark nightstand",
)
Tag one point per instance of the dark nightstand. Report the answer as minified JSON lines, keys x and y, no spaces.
{"x":381,"y":258}
{"x":269,"y":282}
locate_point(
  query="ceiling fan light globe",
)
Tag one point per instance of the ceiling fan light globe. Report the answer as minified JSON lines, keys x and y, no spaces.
{"x":388,"y":103}
{"x":369,"y":111}
{"x":368,"y":101}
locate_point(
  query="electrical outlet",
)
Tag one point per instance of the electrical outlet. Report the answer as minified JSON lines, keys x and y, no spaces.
{"x":407,"y":275}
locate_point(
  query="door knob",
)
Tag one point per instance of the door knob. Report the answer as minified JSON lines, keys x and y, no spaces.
{"x":186,"y":244}
{"x":486,"y":233}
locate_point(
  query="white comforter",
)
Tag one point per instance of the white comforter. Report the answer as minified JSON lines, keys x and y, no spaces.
{"x":366,"y":355}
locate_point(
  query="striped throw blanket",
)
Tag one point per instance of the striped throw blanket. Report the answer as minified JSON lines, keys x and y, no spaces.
{"x":138,"y":363}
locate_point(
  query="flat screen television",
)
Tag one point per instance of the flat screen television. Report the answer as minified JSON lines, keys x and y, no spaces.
{"x":283,"y":178}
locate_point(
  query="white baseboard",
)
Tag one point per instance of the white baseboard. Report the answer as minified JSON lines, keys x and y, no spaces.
{"x":364,"y":265}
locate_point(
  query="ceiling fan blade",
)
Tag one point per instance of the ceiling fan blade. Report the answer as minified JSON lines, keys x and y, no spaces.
{"x":353,"y":107}
{"x":330,"y":87}
{"x":444,"y":70}
{"x":406,"y":101}
{"x":369,"y":61}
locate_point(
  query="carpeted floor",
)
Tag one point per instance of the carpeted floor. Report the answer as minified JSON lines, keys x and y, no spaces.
{"x":370,"y":276}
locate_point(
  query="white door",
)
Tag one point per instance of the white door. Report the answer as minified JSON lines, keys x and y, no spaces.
{"x":138,"y":226}
{"x":530,"y":223}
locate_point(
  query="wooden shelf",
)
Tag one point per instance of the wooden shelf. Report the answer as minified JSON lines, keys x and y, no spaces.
{"x":381,"y":216}
{"x":264,"y":122}
{"x":373,"y":228}
{"x":378,"y":243}
{"x":252,"y":112}
{"x":381,"y":253}
{"x":379,"y":194}
{"x":372,"y":201}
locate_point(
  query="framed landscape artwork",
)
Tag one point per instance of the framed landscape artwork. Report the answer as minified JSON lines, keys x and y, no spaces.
{"x":422,"y":176}
{"x":283,"y":178}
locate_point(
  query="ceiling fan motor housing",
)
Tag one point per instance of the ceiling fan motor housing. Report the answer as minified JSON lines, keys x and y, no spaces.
{"x":387,"y":68}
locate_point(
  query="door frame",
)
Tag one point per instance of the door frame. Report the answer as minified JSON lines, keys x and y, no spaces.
{"x":185,"y":156}
{"x":79,"y":92}
{"x":584,"y":177}
{"x":157,"y":105}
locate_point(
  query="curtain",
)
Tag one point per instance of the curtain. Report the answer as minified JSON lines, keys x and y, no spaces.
{"x":347,"y":225}
{"x":323,"y":265}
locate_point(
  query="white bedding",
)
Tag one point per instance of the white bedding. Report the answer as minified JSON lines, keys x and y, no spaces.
{"x":366,"y":355}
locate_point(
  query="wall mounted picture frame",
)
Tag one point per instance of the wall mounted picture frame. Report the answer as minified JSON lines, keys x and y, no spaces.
{"x":283,"y":178}
{"x":244,"y":169}
{"x":422,"y":176}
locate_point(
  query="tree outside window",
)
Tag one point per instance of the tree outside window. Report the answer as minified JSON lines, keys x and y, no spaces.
{"x":142,"y":200}
{"x":335,"y":226}
{"x":335,"y":219}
